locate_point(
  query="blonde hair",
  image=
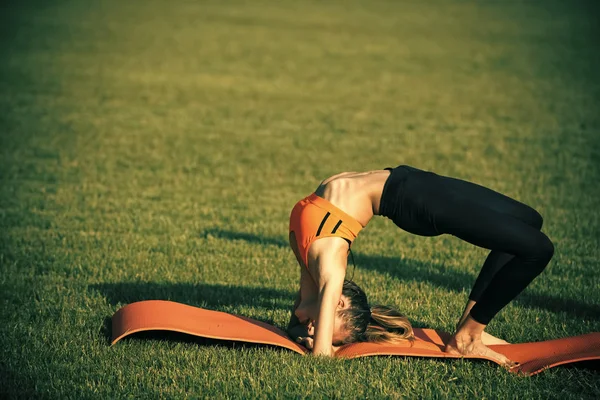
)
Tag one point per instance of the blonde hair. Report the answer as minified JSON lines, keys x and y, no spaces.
{"x":387,"y":325}
{"x":380,"y":324}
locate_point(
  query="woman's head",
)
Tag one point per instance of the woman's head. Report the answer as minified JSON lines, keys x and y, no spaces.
{"x":357,"y":313}
{"x":364,"y":323}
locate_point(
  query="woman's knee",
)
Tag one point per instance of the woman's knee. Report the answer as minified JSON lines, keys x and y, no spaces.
{"x":534,"y":218}
{"x":548,"y":248}
{"x":538,"y":252}
{"x":544,"y":251}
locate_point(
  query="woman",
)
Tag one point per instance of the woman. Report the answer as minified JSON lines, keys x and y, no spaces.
{"x":324,"y":224}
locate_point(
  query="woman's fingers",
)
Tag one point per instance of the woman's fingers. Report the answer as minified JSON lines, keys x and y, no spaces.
{"x":309,"y":343}
{"x":306,"y":342}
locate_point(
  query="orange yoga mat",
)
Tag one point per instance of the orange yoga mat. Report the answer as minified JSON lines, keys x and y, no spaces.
{"x":158,"y":315}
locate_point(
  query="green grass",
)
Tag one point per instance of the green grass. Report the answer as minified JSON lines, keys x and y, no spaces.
{"x":153,"y":150}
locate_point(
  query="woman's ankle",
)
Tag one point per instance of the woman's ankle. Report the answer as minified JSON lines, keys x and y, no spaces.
{"x":470,"y":327}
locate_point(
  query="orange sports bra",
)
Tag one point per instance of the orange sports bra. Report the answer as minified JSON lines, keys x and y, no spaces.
{"x":314,"y":218}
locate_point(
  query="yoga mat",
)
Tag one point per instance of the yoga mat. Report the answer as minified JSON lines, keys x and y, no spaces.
{"x":159,"y":315}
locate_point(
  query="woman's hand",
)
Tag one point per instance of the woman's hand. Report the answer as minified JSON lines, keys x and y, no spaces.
{"x":306,"y":341}
{"x":309,"y":342}
{"x":328,"y":271}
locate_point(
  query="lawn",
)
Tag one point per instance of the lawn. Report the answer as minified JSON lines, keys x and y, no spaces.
{"x":154,"y":150}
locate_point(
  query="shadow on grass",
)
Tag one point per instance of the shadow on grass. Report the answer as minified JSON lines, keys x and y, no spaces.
{"x":438,"y":275}
{"x":247,"y":237}
{"x":203,"y":295}
{"x":106,"y":330}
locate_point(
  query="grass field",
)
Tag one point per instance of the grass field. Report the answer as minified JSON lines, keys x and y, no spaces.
{"x":153,"y":150}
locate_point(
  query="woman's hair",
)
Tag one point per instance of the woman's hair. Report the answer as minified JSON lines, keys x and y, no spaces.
{"x":378,"y":323}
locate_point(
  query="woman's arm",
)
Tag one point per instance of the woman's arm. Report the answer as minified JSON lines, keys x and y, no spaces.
{"x":328,"y":271}
{"x":320,"y":291}
{"x":329,"y":297}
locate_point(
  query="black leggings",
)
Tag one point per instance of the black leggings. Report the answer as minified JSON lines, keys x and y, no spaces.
{"x":428,"y":204}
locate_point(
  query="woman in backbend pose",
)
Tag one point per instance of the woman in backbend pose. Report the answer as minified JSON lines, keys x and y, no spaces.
{"x":330,"y":311}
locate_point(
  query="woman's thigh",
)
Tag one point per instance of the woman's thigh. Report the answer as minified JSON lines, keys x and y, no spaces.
{"x":474,"y":195}
{"x":485,"y":227}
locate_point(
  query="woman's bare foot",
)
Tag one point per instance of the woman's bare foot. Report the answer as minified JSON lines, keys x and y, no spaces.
{"x":488,"y":339}
{"x":467,"y":341}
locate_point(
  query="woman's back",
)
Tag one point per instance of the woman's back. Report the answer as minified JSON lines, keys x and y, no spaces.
{"x":356,"y":193}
